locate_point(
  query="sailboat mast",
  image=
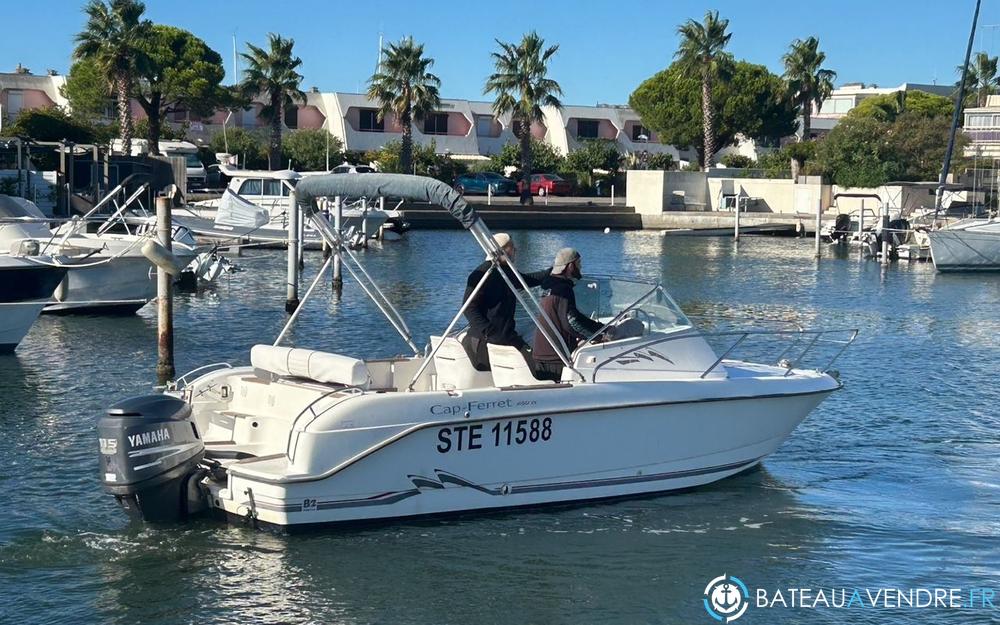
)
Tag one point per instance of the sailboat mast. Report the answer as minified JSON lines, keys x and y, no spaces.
{"x":959,"y":100}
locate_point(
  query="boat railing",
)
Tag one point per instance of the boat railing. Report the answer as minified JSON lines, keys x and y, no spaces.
{"x":796,"y":338}
{"x":181,"y":382}
{"x":293,"y":431}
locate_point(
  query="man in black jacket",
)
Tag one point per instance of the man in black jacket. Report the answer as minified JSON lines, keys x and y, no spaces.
{"x":491,"y":311}
{"x":559,"y":303}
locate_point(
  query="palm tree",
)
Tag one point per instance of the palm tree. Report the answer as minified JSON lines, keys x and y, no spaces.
{"x":271,"y":74}
{"x":522,"y":86}
{"x":701,"y":54}
{"x":982,"y":77}
{"x":403,"y":86}
{"x":808,"y":84}
{"x":112,"y":39}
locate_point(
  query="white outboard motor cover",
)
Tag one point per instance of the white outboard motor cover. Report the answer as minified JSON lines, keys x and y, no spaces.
{"x":313,"y":365}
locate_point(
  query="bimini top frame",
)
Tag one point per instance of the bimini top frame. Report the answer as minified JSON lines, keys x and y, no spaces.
{"x":422,"y":189}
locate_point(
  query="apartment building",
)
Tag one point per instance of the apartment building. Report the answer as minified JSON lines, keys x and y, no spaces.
{"x":465,"y":129}
{"x":843,"y":99}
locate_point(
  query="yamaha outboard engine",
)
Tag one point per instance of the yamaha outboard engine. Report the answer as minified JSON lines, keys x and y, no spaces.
{"x":150,"y":450}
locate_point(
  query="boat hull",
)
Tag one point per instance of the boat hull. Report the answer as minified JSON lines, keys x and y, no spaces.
{"x":120,"y":286}
{"x":968,"y":249}
{"x":16,"y":320}
{"x":123,"y":285}
{"x":445,"y":468}
{"x":25,"y":287}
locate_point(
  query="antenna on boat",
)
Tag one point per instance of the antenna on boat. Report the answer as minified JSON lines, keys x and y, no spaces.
{"x":959,"y":100}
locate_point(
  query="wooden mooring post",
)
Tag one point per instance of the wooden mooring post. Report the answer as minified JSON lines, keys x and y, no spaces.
{"x":164,"y":297}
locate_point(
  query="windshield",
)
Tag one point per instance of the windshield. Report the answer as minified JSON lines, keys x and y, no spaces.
{"x":609,"y":300}
{"x":190,"y":160}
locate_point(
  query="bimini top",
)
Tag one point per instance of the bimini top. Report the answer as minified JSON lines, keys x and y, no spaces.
{"x":413,"y":188}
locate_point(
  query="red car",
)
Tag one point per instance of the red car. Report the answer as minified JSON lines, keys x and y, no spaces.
{"x":547,"y":184}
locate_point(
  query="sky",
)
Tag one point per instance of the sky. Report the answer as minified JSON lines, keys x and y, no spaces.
{"x":605,"y":48}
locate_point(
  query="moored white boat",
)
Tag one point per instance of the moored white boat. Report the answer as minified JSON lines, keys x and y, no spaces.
{"x":105,"y":272}
{"x":25,"y":288}
{"x":969,"y":245}
{"x":254,"y":206}
{"x":302,"y":437}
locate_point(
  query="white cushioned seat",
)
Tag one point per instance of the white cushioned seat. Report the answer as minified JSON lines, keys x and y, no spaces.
{"x":454,"y":367}
{"x":310,"y":364}
{"x":510,"y":368}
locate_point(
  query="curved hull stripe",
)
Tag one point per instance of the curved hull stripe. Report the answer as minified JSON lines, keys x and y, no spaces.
{"x":450,"y":478}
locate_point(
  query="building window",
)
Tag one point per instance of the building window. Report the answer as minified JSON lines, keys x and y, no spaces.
{"x":436,"y":124}
{"x":15,"y":101}
{"x":980,"y":121}
{"x":638,"y":131}
{"x":587,"y":128}
{"x":250,"y":117}
{"x":484,"y":126}
{"x":292,"y":117}
{"x":836,"y":106}
{"x":370,"y":121}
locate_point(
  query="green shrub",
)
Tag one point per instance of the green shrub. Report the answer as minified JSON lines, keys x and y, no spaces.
{"x":661,"y":161}
{"x":738,"y":161}
{"x":544,"y":158}
{"x":51,"y":124}
{"x":307,"y":149}
{"x":250,"y":147}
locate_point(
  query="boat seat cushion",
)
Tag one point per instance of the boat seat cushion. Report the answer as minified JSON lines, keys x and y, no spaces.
{"x":313,"y":365}
{"x":454,"y":367}
{"x":509,"y":367}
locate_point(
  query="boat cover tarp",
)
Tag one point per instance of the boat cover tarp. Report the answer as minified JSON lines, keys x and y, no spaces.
{"x":240,"y":213}
{"x":12,"y":207}
{"x":412,"y":188}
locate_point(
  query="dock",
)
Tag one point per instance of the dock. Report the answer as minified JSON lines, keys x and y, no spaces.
{"x":562,"y":213}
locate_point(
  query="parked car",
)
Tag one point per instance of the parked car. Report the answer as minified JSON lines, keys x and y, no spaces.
{"x":347,"y":168}
{"x":479,"y":183}
{"x":548,"y":184}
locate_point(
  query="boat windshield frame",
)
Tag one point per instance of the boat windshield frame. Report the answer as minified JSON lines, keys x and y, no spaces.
{"x":655,"y":286}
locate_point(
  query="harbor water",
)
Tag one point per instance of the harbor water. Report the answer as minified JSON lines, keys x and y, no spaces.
{"x":892,"y":482}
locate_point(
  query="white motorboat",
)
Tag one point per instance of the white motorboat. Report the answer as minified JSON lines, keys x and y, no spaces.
{"x":254,"y":206}
{"x":968,"y":245}
{"x":302,"y":437}
{"x":25,"y":288}
{"x":107,"y":272}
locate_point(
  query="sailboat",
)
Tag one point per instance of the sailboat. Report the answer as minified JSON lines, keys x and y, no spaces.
{"x":972,"y":244}
{"x":967,"y":245}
